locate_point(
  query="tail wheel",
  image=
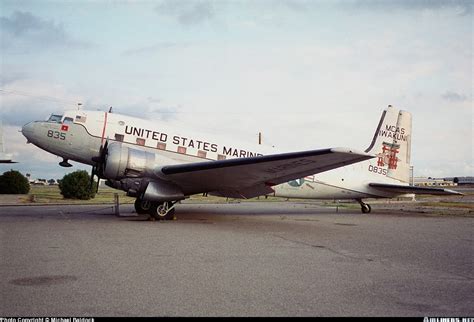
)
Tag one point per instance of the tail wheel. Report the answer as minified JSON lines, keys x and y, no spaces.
{"x":162,"y":211}
{"x":366,"y":208}
{"x":142,"y":206}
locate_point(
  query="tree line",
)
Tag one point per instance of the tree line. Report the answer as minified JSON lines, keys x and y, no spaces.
{"x":74,"y":185}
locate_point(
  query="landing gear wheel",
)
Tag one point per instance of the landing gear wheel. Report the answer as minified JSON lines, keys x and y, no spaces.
{"x":366,"y":208}
{"x":142,"y":206}
{"x":162,"y":211}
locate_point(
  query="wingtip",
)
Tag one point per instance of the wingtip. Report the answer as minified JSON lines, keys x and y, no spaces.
{"x":454,"y":192}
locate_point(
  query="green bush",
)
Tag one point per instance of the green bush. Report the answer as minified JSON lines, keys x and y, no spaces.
{"x":76,"y":185}
{"x":13,"y":182}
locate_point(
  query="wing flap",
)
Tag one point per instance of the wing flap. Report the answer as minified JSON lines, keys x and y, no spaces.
{"x":411,"y":189}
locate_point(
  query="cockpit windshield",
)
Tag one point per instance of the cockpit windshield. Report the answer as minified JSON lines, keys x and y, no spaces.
{"x":54,"y":118}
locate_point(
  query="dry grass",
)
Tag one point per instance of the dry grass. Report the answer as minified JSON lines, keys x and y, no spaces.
{"x":51,"y":194}
{"x":105,"y":195}
{"x":447,"y":204}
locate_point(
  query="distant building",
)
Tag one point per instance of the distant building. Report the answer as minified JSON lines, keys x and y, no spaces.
{"x":430,"y":182}
{"x":52,"y":182}
{"x":39,"y":182}
{"x":461,"y":180}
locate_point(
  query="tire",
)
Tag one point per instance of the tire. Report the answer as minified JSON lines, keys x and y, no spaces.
{"x":366,"y":209}
{"x":157,"y":211}
{"x":142,"y":206}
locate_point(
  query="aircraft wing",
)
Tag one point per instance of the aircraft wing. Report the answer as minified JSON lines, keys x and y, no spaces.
{"x":411,"y":189}
{"x":254,"y":176}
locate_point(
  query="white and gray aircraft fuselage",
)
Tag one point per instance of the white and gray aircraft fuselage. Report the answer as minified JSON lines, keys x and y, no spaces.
{"x":160,"y":165}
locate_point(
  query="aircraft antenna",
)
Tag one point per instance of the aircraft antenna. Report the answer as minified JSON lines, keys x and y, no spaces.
{"x":259,"y":138}
{"x":79,"y":106}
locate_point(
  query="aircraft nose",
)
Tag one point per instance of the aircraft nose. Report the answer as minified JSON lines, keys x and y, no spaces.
{"x":27,"y":130}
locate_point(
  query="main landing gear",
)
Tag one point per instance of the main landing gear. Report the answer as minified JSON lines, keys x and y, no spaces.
{"x":156,"y":210}
{"x":142,"y":206}
{"x":364,"y":207}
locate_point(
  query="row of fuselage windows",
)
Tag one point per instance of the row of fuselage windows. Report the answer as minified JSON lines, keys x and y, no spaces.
{"x":120,"y":138}
{"x":162,"y":146}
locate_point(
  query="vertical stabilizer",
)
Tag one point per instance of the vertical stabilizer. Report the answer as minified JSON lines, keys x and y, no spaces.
{"x":392,"y":144}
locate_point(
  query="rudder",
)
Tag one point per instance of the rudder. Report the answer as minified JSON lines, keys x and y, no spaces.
{"x":392,"y":144}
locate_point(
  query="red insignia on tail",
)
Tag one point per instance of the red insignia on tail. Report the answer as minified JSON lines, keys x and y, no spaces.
{"x":388,"y":155}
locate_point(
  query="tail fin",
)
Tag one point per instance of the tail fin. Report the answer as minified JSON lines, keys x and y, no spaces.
{"x":392,"y":144}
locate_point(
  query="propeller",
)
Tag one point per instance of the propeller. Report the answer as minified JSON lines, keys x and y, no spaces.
{"x":98,"y":167}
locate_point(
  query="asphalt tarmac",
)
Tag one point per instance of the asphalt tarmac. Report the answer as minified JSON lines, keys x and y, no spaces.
{"x":243,"y":259}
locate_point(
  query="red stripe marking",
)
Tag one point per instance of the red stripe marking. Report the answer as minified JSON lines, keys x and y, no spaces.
{"x":103,"y":130}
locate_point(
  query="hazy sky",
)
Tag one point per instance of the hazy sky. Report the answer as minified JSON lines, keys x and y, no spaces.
{"x":308,"y":74}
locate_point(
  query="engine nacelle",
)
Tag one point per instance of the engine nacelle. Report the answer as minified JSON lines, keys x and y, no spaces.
{"x":133,"y":186}
{"x":162,"y":191}
{"x":124,"y":162}
{"x":139,"y":173}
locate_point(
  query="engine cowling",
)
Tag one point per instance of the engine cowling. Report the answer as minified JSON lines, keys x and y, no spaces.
{"x":139,"y":173}
{"x":124,"y":162}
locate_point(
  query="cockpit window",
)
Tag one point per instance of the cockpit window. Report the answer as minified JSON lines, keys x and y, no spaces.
{"x":54,"y":118}
{"x":68,"y":120}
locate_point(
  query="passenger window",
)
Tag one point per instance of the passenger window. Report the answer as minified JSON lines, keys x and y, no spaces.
{"x":140,"y":141}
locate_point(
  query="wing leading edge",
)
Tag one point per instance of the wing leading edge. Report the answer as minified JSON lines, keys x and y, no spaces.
{"x":411,"y":189}
{"x":254,"y":176}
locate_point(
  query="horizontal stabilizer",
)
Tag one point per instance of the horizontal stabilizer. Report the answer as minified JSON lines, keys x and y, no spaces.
{"x":411,"y":189}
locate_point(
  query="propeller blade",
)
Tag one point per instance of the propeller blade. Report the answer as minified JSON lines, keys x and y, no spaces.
{"x":104,"y":153}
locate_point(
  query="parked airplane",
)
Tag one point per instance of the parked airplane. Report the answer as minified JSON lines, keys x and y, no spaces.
{"x":161,"y":166}
{"x":4,"y":157}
